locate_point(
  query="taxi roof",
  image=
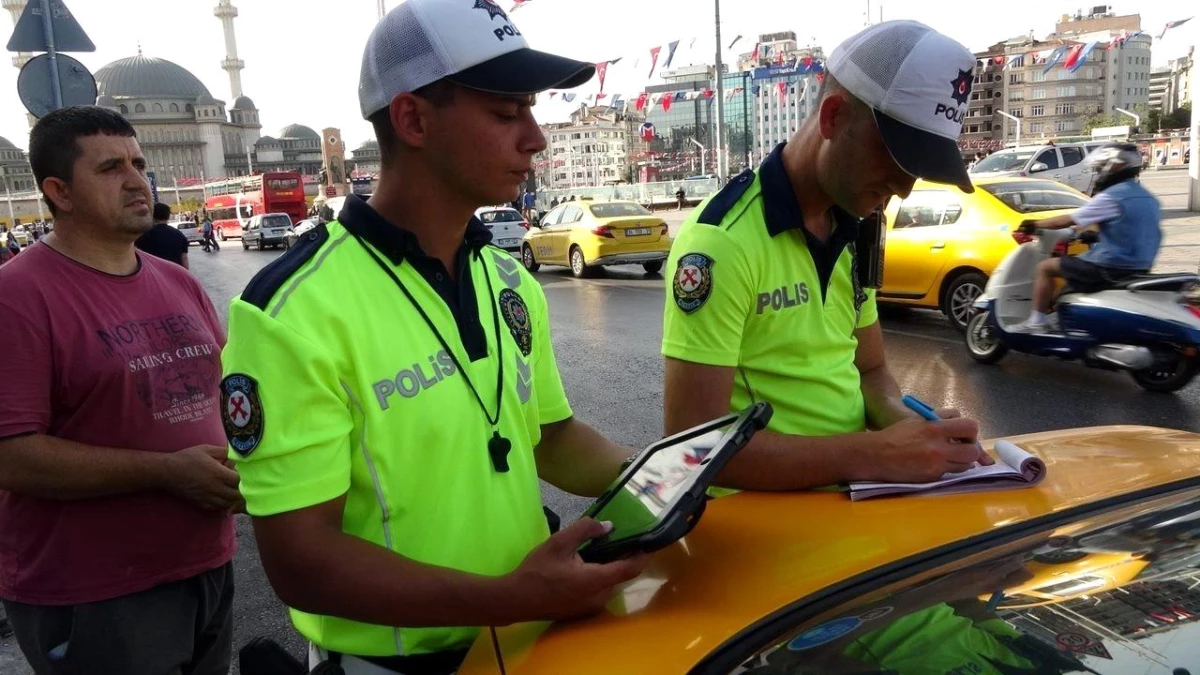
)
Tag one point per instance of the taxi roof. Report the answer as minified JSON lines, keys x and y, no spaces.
{"x":754,"y":554}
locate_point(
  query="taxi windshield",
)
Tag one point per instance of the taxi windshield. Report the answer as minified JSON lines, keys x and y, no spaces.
{"x":1031,"y":196}
{"x":1005,"y":160}
{"x":1113,"y":593}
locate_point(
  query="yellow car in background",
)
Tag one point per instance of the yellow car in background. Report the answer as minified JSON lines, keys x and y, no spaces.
{"x":943,"y":244}
{"x":586,"y":234}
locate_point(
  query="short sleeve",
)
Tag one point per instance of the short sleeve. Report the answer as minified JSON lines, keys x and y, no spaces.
{"x":709,"y":296}
{"x":553,"y":405}
{"x":1103,"y":207}
{"x":870,"y":311}
{"x":299,"y":455}
{"x":181,"y":240}
{"x":27,"y":379}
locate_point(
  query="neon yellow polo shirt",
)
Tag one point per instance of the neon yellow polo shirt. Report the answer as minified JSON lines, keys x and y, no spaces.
{"x":937,"y":640}
{"x":335,"y":386}
{"x":751,"y":288}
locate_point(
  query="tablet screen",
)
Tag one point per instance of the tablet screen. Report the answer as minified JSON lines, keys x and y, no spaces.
{"x":637,"y":506}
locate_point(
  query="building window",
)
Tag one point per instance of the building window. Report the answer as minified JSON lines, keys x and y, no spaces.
{"x":1016,"y":78}
{"x":1037,"y":110}
{"x":1064,"y":125}
{"x":1017,"y":112}
{"x":139,"y":108}
{"x":1066,"y":91}
{"x":1035,"y":127}
{"x":124,"y":109}
{"x":1038,"y":94}
{"x":1039,"y":76}
{"x":1016,"y":95}
{"x":1064,"y":109}
{"x":158,"y":107}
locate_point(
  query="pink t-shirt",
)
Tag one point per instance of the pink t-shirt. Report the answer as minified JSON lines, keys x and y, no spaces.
{"x":121,"y":362}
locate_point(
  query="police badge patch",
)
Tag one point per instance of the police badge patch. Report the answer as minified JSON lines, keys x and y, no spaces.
{"x":693,"y":281}
{"x":516,"y":315}
{"x":241,"y":412}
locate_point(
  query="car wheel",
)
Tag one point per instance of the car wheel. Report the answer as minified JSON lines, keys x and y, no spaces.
{"x":527,"y":258}
{"x":653,"y":267}
{"x":261,"y":245}
{"x":578,"y":264}
{"x":958,"y":301}
{"x":982,"y":343}
{"x":223,"y":237}
{"x":245,"y":245}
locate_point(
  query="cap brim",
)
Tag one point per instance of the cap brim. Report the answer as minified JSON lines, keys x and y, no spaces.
{"x":523,"y":72}
{"x":923,"y":154}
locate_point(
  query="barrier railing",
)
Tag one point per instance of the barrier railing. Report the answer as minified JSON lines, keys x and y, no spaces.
{"x":650,"y":195}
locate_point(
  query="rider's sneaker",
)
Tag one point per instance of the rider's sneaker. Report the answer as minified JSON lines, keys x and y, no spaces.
{"x":1028,"y":326}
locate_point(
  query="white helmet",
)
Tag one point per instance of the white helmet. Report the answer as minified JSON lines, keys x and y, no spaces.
{"x":1114,"y":163}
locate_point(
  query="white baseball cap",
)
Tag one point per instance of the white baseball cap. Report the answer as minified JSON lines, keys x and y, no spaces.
{"x":918,"y":82}
{"x":469,"y":42}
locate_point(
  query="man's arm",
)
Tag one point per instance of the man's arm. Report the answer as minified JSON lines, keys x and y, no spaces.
{"x":1101,"y":208}
{"x":576,"y":458}
{"x":37,"y":465}
{"x":881,"y":394}
{"x":183,"y":260}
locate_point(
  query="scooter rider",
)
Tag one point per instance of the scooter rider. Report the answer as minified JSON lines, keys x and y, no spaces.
{"x":1128,"y":217}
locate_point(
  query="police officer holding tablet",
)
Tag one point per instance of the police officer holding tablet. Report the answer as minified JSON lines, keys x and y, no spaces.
{"x":391,"y":397}
{"x":766,"y":303}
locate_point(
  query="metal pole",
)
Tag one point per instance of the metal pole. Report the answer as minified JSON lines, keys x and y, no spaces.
{"x":1194,"y":141}
{"x":1137,"y":119}
{"x":721,"y":168}
{"x":1017,"y":120}
{"x":12,"y":218}
{"x":52,"y":52}
{"x":746,"y":124}
{"x":249,"y":162}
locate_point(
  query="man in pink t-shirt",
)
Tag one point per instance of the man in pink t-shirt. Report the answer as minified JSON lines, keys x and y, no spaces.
{"x":116,"y":531}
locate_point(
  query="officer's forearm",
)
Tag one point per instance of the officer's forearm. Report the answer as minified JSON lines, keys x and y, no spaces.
{"x":883,"y":398}
{"x":777,"y":462}
{"x":576,"y":458}
{"x":323,"y":571}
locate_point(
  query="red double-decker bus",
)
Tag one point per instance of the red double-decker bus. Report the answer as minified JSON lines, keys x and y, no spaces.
{"x":230,"y":203}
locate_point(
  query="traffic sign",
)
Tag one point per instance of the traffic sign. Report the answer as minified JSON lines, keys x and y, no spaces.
{"x":35,"y":85}
{"x":30,"y":35}
{"x":1073,"y":641}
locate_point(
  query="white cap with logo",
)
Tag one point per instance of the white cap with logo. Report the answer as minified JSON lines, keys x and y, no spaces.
{"x":918,"y":82}
{"x":469,"y":42}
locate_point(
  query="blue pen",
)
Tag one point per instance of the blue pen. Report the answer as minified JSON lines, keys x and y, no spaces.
{"x":921,"y":408}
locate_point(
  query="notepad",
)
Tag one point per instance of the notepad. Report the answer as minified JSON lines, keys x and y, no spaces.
{"x":1014,"y":468}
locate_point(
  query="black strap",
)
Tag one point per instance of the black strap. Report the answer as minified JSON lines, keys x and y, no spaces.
{"x":434,"y":663}
{"x":493,"y":421}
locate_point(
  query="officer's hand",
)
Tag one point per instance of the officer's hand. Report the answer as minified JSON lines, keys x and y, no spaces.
{"x":199,"y":475}
{"x":554,"y":583}
{"x":914,"y":450}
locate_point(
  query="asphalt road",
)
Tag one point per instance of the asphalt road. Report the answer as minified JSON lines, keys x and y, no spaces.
{"x":606,"y":334}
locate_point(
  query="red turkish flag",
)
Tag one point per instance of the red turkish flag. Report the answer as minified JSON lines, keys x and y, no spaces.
{"x":1073,"y":56}
{"x":782,"y":87}
{"x":708,"y":93}
{"x":807,"y":62}
{"x":666,"y":100}
{"x":998,"y":60}
{"x":820,"y":77}
{"x":653,"y":59}
{"x":754,"y":54}
{"x":601,"y":69}
{"x":642,"y":99}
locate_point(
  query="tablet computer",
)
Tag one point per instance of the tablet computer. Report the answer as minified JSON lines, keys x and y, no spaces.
{"x":659,"y":498}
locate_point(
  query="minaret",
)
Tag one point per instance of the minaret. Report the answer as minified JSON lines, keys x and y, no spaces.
{"x":15,"y":8}
{"x":226,"y":12}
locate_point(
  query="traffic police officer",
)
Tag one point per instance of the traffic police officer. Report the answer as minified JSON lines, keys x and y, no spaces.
{"x":391,"y":397}
{"x":764,"y":301}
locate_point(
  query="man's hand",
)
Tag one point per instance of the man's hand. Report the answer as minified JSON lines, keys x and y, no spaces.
{"x":199,"y":475}
{"x":554,"y":583}
{"x":917,"y":451}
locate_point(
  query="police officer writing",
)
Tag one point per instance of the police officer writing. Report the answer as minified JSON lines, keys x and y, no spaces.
{"x":765,"y":301}
{"x":391,"y":397}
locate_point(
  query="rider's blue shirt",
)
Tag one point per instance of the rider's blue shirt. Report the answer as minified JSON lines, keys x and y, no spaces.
{"x":1128,"y":216}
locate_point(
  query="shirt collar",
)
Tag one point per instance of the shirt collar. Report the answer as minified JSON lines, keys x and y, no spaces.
{"x":781,"y":208}
{"x":397,"y":243}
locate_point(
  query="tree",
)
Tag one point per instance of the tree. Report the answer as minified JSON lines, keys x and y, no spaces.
{"x":1100,"y":120}
{"x":1153,"y":121}
{"x":1180,"y":118}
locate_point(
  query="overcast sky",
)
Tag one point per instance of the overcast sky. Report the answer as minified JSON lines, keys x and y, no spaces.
{"x":302,"y":57}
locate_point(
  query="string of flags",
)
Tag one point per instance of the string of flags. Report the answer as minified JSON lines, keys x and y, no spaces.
{"x":1074,"y":55}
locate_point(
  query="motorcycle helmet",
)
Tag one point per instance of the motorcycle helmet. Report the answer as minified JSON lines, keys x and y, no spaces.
{"x":1114,"y":163}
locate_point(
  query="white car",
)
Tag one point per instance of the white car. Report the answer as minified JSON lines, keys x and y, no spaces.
{"x":1063,"y":163}
{"x":190,"y":229}
{"x":507,"y":225}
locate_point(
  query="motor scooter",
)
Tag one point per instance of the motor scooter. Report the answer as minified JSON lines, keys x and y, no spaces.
{"x":1147,"y":325}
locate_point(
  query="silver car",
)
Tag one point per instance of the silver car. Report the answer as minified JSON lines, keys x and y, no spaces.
{"x":1063,"y":163}
{"x":190,"y":229}
{"x":507,"y":225}
{"x":268,"y":229}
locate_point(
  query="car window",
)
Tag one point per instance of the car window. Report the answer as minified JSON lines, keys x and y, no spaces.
{"x":553,"y":217}
{"x":1005,"y":160}
{"x":571,"y":214}
{"x":501,"y":216}
{"x":618,"y":210}
{"x":276,"y":221}
{"x":1109,"y":592}
{"x":1071,"y":155}
{"x":1031,"y":196}
{"x":925,"y":208}
{"x":1049,"y":158}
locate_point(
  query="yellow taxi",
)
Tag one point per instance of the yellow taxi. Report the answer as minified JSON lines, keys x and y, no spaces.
{"x":585,"y":235}
{"x":942,"y":244}
{"x":814,"y":583}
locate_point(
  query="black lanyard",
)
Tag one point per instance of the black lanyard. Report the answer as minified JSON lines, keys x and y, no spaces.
{"x":498,"y":446}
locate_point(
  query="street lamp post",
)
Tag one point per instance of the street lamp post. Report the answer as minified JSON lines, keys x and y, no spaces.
{"x":718,"y":104}
{"x":12,"y":218}
{"x":1137,"y":119}
{"x":1017,"y":120}
{"x":703,"y":156}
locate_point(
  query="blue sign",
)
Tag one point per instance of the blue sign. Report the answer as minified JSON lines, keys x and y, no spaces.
{"x":788,"y":69}
{"x":825,"y":633}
